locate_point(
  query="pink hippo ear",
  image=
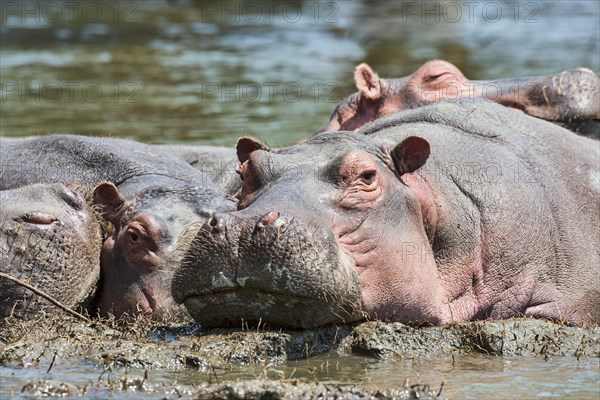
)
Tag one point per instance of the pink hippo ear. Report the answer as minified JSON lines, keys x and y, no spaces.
{"x":107,"y":196}
{"x":247,"y":145}
{"x":367,"y":82}
{"x":410,"y":154}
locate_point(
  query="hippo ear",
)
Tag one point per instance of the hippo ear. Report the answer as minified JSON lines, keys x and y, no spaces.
{"x":367,"y":82}
{"x":410,"y":154}
{"x":107,"y":196}
{"x":247,"y":145}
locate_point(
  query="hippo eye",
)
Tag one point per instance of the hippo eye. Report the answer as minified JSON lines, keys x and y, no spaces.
{"x":432,"y":78}
{"x":39,"y":218}
{"x":133,"y":235}
{"x":367,"y":177}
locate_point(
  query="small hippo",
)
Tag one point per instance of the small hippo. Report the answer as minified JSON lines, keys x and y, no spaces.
{"x":446,"y":213}
{"x":148,"y":196}
{"x":50,"y":237}
{"x":570,"y":98}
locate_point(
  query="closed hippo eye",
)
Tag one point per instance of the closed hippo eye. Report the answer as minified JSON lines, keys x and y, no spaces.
{"x":39,"y":218}
{"x":436,"y":71}
{"x":435,"y":77}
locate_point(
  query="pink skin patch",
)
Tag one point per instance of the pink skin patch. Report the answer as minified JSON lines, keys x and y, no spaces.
{"x":270,"y":218}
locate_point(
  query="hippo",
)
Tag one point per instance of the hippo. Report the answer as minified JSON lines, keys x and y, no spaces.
{"x":147,"y":195}
{"x":217,"y":162}
{"x":50,"y":237}
{"x":570,"y":98}
{"x":451,"y":212}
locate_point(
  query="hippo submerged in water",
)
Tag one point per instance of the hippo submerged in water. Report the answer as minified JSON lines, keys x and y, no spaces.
{"x":570,"y":98}
{"x":50,"y":237}
{"x":451,"y":212}
{"x":147,"y":195}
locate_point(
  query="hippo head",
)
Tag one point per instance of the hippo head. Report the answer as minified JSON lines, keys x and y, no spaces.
{"x":377,"y":97}
{"x":135,"y":276}
{"x":50,"y":238}
{"x":318,"y":238}
{"x":568,"y":97}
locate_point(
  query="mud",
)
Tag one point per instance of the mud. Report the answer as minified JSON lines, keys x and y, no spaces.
{"x":252,"y":389}
{"x":112,"y":351}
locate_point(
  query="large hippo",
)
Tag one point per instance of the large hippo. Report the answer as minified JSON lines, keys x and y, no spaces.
{"x":50,"y":237}
{"x":446,"y":213}
{"x":570,"y":98}
{"x":148,"y":195}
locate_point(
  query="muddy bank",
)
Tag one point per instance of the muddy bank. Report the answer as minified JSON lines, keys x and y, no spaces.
{"x":252,"y":389}
{"x":184,"y":346}
{"x":515,"y":337}
{"x":111,"y":351}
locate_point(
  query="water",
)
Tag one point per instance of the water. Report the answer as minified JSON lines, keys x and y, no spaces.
{"x":208,"y":72}
{"x":463,"y":377}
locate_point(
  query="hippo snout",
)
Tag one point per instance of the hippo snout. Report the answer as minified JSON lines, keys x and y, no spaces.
{"x":267,"y":267}
{"x":218,"y":222}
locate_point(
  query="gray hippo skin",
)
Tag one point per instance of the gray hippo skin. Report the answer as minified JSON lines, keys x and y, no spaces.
{"x":218,"y":163}
{"x":50,"y":237}
{"x":148,"y":195}
{"x":451,"y":212}
{"x":570,"y":98}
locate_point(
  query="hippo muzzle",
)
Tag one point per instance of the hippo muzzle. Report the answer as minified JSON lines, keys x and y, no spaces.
{"x":265,"y":269}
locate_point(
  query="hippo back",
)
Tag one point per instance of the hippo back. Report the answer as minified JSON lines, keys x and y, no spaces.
{"x":89,"y":161}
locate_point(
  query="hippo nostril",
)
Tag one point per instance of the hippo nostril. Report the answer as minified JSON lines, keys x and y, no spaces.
{"x":268,"y":219}
{"x":216,"y":223}
{"x":207,"y":226}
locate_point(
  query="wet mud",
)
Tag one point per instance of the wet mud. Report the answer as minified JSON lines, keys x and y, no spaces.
{"x":123,"y":357}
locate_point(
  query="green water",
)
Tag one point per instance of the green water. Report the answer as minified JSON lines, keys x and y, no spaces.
{"x":211,"y":71}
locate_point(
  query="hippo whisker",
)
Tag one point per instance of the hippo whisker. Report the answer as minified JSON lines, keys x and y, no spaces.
{"x":43,"y":294}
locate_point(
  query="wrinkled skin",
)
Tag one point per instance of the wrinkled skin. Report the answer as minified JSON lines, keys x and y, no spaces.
{"x":570,"y":98}
{"x":218,"y":163}
{"x":252,"y":269}
{"x":452,"y":212}
{"x":50,"y":237}
{"x":147,"y":195}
